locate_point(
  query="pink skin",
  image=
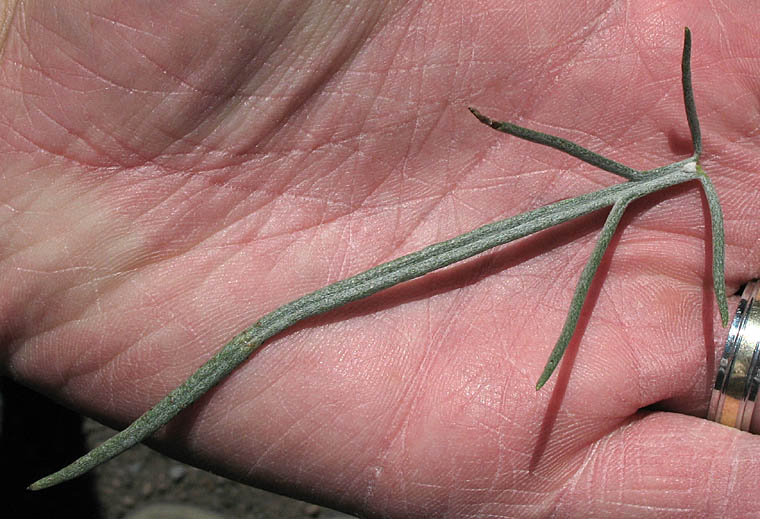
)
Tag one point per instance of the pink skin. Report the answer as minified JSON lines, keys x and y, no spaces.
{"x":170,"y":173}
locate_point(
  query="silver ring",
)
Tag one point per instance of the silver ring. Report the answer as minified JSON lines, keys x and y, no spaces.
{"x":735,"y":392}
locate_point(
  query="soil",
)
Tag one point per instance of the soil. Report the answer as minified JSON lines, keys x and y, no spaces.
{"x":139,"y":484}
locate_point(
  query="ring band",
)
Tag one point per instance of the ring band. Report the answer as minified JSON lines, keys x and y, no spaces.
{"x":734,"y":395}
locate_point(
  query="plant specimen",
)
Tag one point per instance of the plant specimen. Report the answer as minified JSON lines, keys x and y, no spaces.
{"x":433,"y":257}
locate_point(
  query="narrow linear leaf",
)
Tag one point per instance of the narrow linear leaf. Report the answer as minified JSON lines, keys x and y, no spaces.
{"x":688,"y":94}
{"x":582,"y":288}
{"x":561,"y":144}
{"x":718,"y":245}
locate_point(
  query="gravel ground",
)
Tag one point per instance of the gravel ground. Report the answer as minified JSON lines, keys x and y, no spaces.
{"x":139,"y":484}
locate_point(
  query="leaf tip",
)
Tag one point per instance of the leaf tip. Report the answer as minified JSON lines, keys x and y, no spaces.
{"x":546,"y":375}
{"x":482,"y":118}
{"x":40,"y":484}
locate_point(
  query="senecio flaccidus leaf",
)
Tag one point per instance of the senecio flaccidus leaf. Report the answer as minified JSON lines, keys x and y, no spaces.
{"x":439,"y":255}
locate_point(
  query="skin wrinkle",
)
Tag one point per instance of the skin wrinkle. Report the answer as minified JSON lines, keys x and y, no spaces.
{"x":212,"y":232}
{"x":632,"y":122}
{"x":80,"y":316}
{"x":40,"y":69}
{"x":387,"y":435}
{"x":110,"y":366}
{"x":17,"y":133}
{"x":352,"y":150}
{"x":354,"y":204}
{"x":50,"y":330}
{"x":325,"y":79}
{"x":61,"y":291}
{"x":408,"y":402}
{"x":569,"y":61}
{"x":233,"y":95}
{"x":40,"y":144}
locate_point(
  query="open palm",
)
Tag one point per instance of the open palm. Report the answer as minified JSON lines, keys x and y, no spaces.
{"x":171,"y":173}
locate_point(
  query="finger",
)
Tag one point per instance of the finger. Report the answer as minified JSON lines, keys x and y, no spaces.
{"x":667,"y":465}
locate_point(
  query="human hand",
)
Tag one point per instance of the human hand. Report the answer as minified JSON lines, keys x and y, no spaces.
{"x":173,"y":174}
